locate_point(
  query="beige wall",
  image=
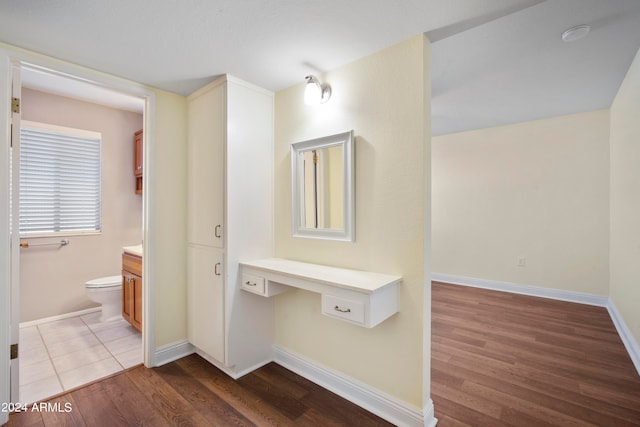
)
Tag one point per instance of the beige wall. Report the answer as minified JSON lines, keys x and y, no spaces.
{"x":51,"y":278}
{"x":168,"y":228}
{"x":385,"y":99}
{"x":538,"y":190}
{"x":625,"y":200}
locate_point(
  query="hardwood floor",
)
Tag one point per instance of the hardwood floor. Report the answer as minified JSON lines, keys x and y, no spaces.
{"x":191,"y":392}
{"x":501,"y":359}
{"x":498,"y":359}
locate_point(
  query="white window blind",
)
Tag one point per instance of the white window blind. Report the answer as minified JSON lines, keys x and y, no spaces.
{"x":59,"y":180}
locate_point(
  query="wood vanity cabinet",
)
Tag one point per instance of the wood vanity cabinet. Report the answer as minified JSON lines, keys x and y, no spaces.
{"x":132,"y":290}
{"x":138,"y":164}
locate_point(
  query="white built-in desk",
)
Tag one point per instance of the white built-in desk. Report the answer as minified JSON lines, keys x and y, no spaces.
{"x":360,"y":297}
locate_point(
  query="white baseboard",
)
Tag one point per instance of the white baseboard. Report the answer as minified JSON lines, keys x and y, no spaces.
{"x":625,"y":335}
{"x":375,"y":401}
{"x":59,"y":317}
{"x":515,"y":288}
{"x":429,"y":416}
{"x":170,"y":352}
{"x":583,"y":298}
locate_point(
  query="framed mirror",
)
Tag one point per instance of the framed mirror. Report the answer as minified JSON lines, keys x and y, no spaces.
{"x":322,"y":188}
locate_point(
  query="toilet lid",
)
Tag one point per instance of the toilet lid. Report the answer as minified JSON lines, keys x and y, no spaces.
{"x":105,"y":282}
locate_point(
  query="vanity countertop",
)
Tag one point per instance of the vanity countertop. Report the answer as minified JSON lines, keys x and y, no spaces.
{"x":133,"y":250}
{"x":355,"y":280}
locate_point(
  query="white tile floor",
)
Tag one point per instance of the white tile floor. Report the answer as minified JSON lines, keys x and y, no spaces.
{"x":64,"y":354}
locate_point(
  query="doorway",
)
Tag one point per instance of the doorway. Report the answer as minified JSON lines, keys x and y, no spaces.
{"x":33,"y":78}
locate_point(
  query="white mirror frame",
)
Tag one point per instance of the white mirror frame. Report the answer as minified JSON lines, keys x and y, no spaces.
{"x":346,"y":141}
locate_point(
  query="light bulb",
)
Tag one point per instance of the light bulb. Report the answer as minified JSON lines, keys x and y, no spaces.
{"x":312,"y":92}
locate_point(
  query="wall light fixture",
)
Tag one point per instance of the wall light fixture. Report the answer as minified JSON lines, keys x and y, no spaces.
{"x":315,"y":92}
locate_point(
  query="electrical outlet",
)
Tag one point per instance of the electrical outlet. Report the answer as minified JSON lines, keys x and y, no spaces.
{"x":522,"y":261}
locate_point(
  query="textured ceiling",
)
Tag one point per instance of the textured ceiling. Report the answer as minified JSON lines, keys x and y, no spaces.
{"x":494,"y":61}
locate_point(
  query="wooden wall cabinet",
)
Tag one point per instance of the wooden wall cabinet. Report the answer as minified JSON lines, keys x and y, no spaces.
{"x":230,"y":197}
{"x":132,"y":290}
{"x":138,"y":159}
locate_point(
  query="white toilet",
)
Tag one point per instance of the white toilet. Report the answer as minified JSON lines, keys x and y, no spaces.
{"x":108,"y":292}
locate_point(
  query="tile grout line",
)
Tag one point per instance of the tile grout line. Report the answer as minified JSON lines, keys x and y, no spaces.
{"x":50,"y":359}
{"x":102,"y":344}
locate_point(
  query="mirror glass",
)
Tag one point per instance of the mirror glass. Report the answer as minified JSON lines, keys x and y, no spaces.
{"x":322,"y":187}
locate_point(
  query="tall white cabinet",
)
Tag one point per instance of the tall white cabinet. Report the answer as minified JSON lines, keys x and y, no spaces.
{"x":230,"y":220}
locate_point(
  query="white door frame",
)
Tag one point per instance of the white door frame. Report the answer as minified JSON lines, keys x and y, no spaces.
{"x":5,"y":247}
{"x":16,"y":91}
{"x":8,"y":59}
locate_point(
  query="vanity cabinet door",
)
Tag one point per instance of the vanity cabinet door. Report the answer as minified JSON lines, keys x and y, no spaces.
{"x":132,"y":290}
{"x":132,"y":299}
{"x":206,"y":301}
{"x":206,"y":123}
{"x":136,"y":311}
{"x":127,"y":296}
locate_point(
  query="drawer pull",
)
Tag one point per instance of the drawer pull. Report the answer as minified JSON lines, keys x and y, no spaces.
{"x":216,"y":269}
{"x":248,"y":283}
{"x":217,"y":231}
{"x":342,"y":310}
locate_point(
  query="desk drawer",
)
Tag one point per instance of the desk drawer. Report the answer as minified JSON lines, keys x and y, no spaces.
{"x":253,"y":284}
{"x":342,"y":308}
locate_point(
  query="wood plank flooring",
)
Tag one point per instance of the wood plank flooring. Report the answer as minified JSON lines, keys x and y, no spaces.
{"x":192,"y":392}
{"x":501,"y":359}
{"x":498,"y":359}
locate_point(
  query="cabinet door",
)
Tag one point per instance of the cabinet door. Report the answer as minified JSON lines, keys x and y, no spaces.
{"x":127,"y":296}
{"x":137,"y":153}
{"x":206,"y":301}
{"x":136,"y":312}
{"x":206,"y":123}
{"x":138,"y":163}
{"x":132,"y":299}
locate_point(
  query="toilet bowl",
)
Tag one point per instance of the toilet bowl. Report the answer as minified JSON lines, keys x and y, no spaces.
{"x":108,"y":292}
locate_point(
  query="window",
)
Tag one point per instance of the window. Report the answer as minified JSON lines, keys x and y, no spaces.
{"x":59,"y":180}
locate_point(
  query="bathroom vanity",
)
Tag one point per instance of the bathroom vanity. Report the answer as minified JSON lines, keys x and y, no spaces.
{"x":132,"y":286}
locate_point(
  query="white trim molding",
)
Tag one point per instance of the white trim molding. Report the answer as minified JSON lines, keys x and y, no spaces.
{"x":428,"y":415}
{"x":625,"y":335}
{"x":515,"y":288}
{"x":59,"y":317}
{"x":173,"y":351}
{"x":582,"y":298}
{"x":375,"y":401}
